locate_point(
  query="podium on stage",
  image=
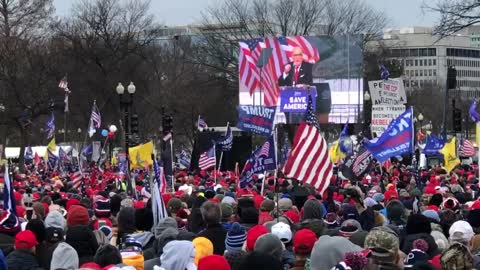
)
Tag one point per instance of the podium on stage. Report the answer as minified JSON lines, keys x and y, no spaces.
{"x":294,"y":100}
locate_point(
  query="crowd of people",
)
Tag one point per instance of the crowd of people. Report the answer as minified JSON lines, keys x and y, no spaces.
{"x":395,"y":218}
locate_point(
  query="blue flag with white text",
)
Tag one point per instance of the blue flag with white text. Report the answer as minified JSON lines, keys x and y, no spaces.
{"x":263,"y":159}
{"x":396,"y":140}
{"x":433,"y":145}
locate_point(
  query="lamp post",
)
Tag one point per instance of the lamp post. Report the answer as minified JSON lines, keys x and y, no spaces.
{"x":367,"y":112}
{"x":126,"y":106}
{"x":3,"y":134}
{"x":420,"y":120}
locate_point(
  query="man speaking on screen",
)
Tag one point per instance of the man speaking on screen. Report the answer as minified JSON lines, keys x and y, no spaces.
{"x":296,"y":73}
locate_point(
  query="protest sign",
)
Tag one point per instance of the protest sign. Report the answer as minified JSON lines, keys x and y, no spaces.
{"x":387,"y":92}
{"x":295,"y":99}
{"x":382,"y":115}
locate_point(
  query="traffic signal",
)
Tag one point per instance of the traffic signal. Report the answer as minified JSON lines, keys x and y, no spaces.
{"x":457,"y":120}
{"x":167,"y":123}
{"x":134,"y":123}
{"x":451,"y":77}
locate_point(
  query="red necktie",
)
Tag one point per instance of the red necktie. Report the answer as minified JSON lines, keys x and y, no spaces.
{"x":295,"y":76}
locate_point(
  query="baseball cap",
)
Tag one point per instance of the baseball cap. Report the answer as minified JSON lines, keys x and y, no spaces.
{"x":25,"y":239}
{"x":303,"y":241}
{"x":282,"y":231}
{"x":382,"y":241}
{"x":461,"y":231}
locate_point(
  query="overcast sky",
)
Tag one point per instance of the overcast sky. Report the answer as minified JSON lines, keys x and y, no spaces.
{"x":181,"y":12}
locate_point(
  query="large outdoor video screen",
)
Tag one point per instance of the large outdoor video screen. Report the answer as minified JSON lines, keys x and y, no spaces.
{"x":334,"y":62}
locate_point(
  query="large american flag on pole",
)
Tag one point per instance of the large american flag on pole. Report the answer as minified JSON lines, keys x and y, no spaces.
{"x":250,"y":75}
{"x":309,"y":161}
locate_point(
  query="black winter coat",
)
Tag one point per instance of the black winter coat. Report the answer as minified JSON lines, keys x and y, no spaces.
{"x":22,"y":260}
{"x":216,"y":234}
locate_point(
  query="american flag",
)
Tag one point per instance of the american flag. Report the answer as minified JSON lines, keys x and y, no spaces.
{"x":201,"y":124}
{"x":158,"y":205}
{"x":159,"y":176}
{"x":50,"y":126}
{"x":309,"y":160}
{"x":207,"y":159}
{"x":265,"y":150}
{"x":63,"y":83}
{"x":466,"y":149}
{"x":77,"y":179}
{"x":310,"y":53}
{"x":95,"y":119}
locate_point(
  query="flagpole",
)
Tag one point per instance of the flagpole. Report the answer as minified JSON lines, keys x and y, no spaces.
{"x":215,"y":165}
{"x":263,"y":182}
{"x":221,"y":154}
{"x":172,"y":162}
{"x":198,"y":120}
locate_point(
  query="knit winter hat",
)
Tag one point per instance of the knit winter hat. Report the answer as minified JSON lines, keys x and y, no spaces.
{"x":203,"y":248}
{"x":236,"y":236}
{"x":77,"y":215}
{"x":55,"y":219}
{"x":270,"y":244}
{"x":213,"y":262}
{"x":102,"y":207}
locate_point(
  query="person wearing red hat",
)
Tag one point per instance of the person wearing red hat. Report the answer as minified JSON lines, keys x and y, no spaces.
{"x":23,"y":257}
{"x":303,"y":243}
{"x":213,"y":262}
{"x":253,"y":234}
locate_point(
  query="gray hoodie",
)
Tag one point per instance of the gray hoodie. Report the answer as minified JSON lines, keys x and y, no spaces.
{"x":170,"y":259}
{"x":64,"y":257}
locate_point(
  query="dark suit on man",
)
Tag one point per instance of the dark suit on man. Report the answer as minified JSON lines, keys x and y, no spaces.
{"x":304,"y":75}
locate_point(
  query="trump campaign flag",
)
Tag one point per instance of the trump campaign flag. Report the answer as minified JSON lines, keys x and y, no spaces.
{"x":397,"y":139}
{"x":256,"y":119}
{"x":433,"y":145}
{"x":263,"y":159}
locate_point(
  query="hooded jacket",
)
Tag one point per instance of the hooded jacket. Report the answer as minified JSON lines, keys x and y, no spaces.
{"x":64,"y":257}
{"x":170,"y":259}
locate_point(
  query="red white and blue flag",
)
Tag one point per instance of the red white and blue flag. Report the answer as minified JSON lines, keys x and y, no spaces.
{"x":207,"y":159}
{"x":309,"y":160}
{"x":466,"y":148}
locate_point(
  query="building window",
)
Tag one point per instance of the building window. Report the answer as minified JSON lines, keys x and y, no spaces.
{"x":434,"y":72}
{"x":416,"y":62}
{"x":429,"y":62}
{"x":421,"y":73}
{"x":416,"y":73}
{"x":425,"y":62}
{"x":430,"y":72}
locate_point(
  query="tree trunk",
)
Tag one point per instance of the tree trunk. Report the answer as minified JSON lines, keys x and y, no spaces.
{"x":25,"y":141}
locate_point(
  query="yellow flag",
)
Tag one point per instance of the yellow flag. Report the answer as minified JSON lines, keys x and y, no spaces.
{"x":141,"y":155}
{"x":477,"y":135}
{"x":450,"y":155}
{"x":335,"y":153}
{"x":51,"y":146}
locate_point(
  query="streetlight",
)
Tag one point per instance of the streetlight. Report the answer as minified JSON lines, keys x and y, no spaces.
{"x":3,"y":137}
{"x":126,"y":106}
{"x":420,"y":120}
{"x":367,"y":115}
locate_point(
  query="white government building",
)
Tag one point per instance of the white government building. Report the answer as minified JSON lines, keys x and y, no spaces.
{"x":425,"y":57}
